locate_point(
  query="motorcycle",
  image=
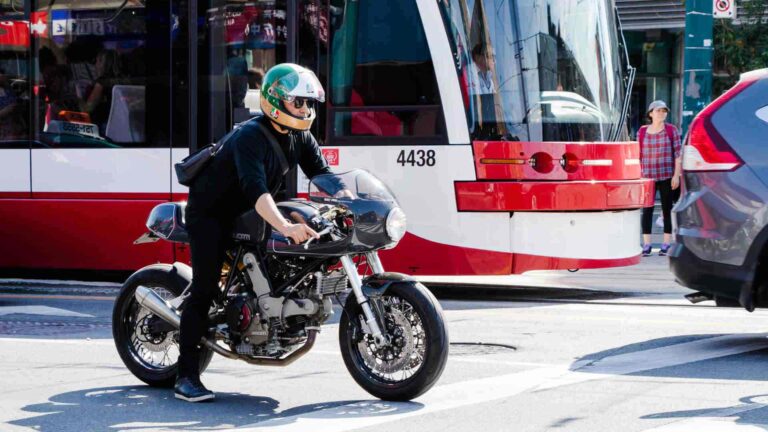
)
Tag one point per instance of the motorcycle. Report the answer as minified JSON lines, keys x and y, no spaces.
{"x":272,"y":304}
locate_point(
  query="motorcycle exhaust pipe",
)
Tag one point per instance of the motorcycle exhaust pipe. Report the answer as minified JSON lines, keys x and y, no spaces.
{"x":150,"y":300}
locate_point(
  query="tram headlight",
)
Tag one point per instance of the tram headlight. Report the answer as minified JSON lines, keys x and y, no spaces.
{"x":396,"y":224}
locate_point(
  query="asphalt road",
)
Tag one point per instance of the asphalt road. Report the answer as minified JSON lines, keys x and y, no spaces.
{"x":571,"y":361}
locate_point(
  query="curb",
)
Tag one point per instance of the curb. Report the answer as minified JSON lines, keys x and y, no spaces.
{"x":78,"y":288}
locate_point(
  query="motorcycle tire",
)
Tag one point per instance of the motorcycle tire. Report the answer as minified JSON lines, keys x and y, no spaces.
{"x":428,"y":310}
{"x":155,"y":276}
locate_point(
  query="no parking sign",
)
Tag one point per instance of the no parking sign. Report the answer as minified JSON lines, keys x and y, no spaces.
{"x":724,"y":8}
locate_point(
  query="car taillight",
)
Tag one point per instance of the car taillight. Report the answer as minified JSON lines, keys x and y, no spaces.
{"x":705,"y":149}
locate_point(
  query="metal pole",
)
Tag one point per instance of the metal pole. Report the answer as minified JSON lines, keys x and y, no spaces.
{"x":697,"y":59}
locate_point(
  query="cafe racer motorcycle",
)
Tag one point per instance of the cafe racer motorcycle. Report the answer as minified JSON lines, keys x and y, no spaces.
{"x":392,"y":334}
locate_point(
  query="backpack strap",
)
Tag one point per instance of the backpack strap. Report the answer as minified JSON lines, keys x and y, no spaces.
{"x":669,"y":129}
{"x":275,"y":147}
{"x":641,"y":137}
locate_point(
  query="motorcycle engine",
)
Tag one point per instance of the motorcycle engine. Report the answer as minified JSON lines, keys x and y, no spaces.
{"x":247,"y":330}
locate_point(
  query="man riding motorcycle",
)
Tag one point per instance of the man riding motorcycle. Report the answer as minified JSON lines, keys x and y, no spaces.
{"x":246,"y":173}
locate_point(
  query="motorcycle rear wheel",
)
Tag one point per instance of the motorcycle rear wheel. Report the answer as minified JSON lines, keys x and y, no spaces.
{"x":139,"y":354}
{"x":418,"y":352}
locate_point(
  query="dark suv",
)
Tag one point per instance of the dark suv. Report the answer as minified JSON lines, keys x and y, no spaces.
{"x":721,"y":220}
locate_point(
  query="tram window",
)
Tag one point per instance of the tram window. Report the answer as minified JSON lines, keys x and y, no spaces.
{"x":14,"y":80}
{"x":12,"y":8}
{"x":536,"y":70}
{"x":380,"y":54}
{"x":93,"y":89}
{"x":389,"y":123}
{"x":380,"y":58}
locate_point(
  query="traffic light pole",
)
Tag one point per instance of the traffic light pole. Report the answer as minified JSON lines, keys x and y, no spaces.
{"x":697,"y":59}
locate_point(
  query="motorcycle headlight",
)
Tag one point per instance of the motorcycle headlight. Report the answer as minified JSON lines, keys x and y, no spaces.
{"x":396,"y":224}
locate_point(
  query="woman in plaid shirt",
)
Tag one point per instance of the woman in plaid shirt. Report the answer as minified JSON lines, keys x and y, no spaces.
{"x":660,"y":151}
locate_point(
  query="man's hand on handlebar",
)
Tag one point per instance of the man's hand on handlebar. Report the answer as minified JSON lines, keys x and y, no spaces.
{"x":299,"y":233}
{"x":344,"y":193}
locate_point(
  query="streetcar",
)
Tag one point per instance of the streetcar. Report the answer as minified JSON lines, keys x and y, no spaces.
{"x":499,"y":125}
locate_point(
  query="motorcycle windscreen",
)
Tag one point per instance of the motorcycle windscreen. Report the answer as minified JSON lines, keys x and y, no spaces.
{"x":357,"y":184}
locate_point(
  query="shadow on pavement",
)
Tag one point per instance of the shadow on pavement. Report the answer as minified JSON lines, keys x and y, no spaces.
{"x":514,"y":297}
{"x":750,"y":410}
{"x":141,"y":407}
{"x":751,"y":366}
{"x":737,"y":357}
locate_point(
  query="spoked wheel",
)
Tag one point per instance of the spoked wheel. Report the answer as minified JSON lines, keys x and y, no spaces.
{"x":150,"y":354}
{"x":416,"y":355}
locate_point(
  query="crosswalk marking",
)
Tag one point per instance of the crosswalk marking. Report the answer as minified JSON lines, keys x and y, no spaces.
{"x":451,"y":396}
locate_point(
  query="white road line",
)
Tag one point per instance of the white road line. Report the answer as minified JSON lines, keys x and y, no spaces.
{"x":365,"y":414}
{"x":41,"y":310}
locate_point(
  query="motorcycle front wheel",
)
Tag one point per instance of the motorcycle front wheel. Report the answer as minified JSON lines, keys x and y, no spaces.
{"x":418,"y":350}
{"x":151,"y":357}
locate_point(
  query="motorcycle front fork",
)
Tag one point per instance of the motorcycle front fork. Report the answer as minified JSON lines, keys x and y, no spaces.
{"x":357,"y":288}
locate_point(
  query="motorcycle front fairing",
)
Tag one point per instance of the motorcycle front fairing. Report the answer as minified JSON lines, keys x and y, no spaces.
{"x":363,"y":203}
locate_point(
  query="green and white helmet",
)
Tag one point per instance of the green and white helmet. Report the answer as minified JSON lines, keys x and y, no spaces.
{"x":285,"y":83}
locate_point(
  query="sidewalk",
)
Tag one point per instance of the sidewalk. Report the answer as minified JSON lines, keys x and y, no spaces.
{"x":650,"y":278}
{"x":65,"y":287}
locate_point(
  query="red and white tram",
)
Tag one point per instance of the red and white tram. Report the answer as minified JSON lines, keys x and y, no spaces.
{"x":498,"y":124}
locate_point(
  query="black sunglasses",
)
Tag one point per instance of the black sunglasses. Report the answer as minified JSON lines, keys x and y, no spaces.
{"x":300,"y":102}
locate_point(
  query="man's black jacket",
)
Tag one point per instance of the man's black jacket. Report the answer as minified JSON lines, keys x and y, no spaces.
{"x":246,"y":167}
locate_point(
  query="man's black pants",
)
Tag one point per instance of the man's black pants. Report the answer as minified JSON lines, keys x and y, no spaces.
{"x":209,"y":240}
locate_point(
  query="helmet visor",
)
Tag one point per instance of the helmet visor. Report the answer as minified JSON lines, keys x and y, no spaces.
{"x":301,"y":83}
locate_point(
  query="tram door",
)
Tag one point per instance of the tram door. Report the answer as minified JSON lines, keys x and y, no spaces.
{"x":238,"y":42}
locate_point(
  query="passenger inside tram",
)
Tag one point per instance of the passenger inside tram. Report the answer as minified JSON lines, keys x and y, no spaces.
{"x":84,"y":83}
{"x":99,"y":100}
{"x":57,"y":92}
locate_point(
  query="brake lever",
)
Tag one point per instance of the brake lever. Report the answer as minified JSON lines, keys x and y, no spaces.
{"x":319,"y":234}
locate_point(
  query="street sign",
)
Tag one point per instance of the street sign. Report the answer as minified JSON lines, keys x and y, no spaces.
{"x":724,"y":8}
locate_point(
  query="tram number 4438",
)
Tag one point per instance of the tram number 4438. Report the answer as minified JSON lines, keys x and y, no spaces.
{"x":416,"y":158}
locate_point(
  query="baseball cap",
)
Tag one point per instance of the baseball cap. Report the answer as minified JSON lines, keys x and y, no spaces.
{"x":657,"y":104}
